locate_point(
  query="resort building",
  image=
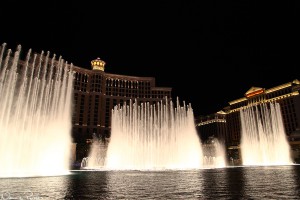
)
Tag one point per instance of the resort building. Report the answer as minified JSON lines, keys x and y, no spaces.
{"x":97,"y":92}
{"x":287,"y":95}
{"x":213,"y":125}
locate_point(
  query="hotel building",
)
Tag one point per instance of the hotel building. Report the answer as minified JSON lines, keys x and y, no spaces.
{"x":97,"y":92}
{"x":287,"y":95}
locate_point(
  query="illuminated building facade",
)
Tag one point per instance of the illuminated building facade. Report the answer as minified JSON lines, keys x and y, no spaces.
{"x":213,"y":125}
{"x":97,"y":92}
{"x":287,"y":95}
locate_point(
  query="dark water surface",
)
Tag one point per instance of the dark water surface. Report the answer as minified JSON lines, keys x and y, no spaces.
{"x":272,"y":182}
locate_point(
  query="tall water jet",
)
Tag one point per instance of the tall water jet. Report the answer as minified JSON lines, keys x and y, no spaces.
{"x":153,"y":137}
{"x":264,"y":140}
{"x":35,"y":114}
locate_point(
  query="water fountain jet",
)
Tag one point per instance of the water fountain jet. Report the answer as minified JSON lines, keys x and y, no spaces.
{"x":35,"y":114}
{"x":152,"y":137}
{"x":264,"y":140}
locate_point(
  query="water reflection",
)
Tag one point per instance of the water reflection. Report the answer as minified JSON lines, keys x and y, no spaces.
{"x":213,"y":178}
{"x":273,"y":182}
{"x":154,"y":184}
{"x":235,"y":182}
{"x":51,"y":187}
{"x":296,"y":176}
{"x":270,"y":182}
{"x":88,"y":185}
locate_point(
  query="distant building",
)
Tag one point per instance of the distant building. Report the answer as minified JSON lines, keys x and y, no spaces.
{"x":213,"y":125}
{"x":287,"y":95}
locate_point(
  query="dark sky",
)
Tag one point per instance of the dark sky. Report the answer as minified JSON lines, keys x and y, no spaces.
{"x":209,"y":52}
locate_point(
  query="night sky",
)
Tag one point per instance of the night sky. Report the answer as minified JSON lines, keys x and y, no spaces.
{"x":209,"y":52}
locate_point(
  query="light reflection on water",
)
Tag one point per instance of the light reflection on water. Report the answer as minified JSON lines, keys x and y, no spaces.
{"x":273,"y":182}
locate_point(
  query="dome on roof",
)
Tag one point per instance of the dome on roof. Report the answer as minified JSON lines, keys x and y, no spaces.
{"x":98,"y":64}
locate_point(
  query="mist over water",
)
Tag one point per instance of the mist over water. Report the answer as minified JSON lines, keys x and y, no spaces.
{"x":264,"y":140}
{"x":214,"y":154}
{"x":35,"y":114}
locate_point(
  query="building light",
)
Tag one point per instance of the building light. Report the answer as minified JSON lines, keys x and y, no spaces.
{"x":98,"y":64}
{"x":254,"y":93}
